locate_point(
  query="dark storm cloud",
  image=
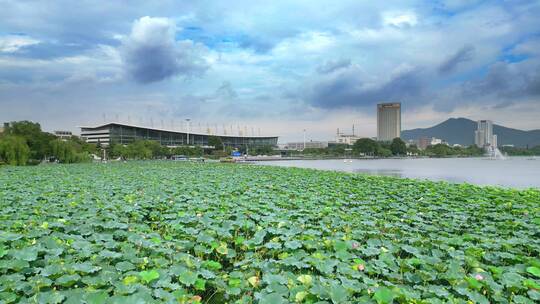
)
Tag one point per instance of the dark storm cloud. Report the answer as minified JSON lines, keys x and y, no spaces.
{"x":507,"y":81}
{"x":333,"y":65}
{"x":52,"y":50}
{"x":151,"y":54}
{"x":465,"y":54}
{"x":346,"y":89}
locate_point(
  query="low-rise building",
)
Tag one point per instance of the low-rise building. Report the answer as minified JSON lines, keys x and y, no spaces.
{"x":63,"y":134}
{"x":299,"y":146}
{"x":424,"y":142}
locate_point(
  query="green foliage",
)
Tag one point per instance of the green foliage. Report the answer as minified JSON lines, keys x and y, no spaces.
{"x":68,"y":152}
{"x":140,"y":149}
{"x":149,"y":275}
{"x":42,"y":145}
{"x":257,"y":150}
{"x":216,"y":142}
{"x":513,"y":151}
{"x":398,"y":147}
{"x":442,"y":150}
{"x":37,"y":141}
{"x":384,"y":152}
{"x":14,"y":150}
{"x":180,"y":232}
{"x":366,"y":146}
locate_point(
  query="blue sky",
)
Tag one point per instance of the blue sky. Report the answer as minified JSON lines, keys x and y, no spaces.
{"x":277,"y":66}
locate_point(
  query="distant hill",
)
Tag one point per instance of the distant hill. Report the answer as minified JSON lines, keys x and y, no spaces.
{"x":461,"y":131}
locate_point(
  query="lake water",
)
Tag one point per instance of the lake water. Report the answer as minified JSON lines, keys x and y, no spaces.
{"x":516,"y":172}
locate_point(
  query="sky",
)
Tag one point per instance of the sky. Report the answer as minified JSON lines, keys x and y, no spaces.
{"x":269,"y":67}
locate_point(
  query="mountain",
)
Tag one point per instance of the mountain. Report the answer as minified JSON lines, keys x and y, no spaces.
{"x":461,"y":131}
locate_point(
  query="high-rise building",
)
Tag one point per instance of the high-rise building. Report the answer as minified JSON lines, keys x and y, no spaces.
{"x":483,"y":136}
{"x":388,"y":121}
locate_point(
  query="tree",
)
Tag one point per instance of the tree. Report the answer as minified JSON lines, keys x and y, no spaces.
{"x":14,"y":150}
{"x":366,"y":146}
{"x":439,"y":150}
{"x":398,"y":147}
{"x":68,"y":152}
{"x":413,"y":149}
{"x":38,"y":141}
{"x":216,"y":142}
{"x":383,"y":152}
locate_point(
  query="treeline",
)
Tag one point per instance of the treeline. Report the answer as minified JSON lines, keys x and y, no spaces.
{"x":397,"y":147}
{"x":362,"y":147}
{"x":513,"y":151}
{"x":441,"y":150}
{"x":149,"y":149}
{"x":23,"y":143}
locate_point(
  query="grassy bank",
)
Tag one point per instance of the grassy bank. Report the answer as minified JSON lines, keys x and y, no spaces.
{"x":216,"y":233}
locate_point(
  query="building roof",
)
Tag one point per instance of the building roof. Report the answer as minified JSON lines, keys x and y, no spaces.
{"x":171,"y":130}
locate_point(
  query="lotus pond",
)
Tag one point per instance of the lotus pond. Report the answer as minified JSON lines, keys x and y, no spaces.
{"x":223,"y":233}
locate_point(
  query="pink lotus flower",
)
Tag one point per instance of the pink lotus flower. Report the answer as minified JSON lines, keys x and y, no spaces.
{"x":361,"y":267}
{"x":479,"y":277}
{"x":355,"y":245}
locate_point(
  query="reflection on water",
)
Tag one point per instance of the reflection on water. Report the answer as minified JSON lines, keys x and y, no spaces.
{"x":385,"y":172}
{"x":517,"y":172}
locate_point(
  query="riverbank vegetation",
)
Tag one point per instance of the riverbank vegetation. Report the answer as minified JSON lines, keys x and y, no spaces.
{"x":366,"y":147}
{"x":23,"y":143}
{"x":513,"y":151}
{"x":158,"y":232}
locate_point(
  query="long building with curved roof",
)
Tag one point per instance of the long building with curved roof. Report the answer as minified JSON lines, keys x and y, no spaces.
{"x":120,"y":133}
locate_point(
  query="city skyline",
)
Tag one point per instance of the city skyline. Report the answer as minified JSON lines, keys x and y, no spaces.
{"x":278,"y":66}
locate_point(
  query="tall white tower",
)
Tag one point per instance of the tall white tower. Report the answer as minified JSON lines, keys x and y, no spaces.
{"x":483,"y":136}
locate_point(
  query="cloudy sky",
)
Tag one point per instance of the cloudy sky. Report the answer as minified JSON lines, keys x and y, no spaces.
{"x":277,"y":66}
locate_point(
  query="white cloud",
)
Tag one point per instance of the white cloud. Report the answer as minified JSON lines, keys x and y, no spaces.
{"x":530,"y":47}
{"x":399,"y":18}
{"x":12,"y":43}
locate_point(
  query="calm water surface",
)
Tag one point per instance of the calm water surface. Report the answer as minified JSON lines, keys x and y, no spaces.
{"x":516,"y":172}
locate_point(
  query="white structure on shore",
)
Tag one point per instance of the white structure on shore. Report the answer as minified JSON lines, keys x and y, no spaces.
{"x":300,"y":146}
{"x":388,"y":121}
{"x":483,"y":136}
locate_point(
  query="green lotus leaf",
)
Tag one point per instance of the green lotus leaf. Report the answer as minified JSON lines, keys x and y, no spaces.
{"x":68,"y":280}
{"x":52,"y":297}
{"x":222,"y":248}
{"x":28,"y":254}
{"x":85,"y":268}
{"x":338,"y":294}
{"x":384,"y":295}
{"x":535,"y":271}
{"x":305,"y":279}
{"x":272,"y":298}
{"x":149,"y":275}
{"x":98,"y":297}
{"x":531,"y":284}
{"x":187,"y":277}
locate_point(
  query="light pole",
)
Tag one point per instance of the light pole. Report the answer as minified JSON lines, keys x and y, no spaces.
{"x":304,"y":139}
{"x":187,"y":122}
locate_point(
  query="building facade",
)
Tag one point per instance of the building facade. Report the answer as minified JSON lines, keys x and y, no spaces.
{"x":483,"y":136}
{"x":63,"y":134}
{"x":346,"y":139}
{"x":425,"y":142}
{"x":117,"y":133}
{"x":299,"y":146}
{"x":388,"y":121}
